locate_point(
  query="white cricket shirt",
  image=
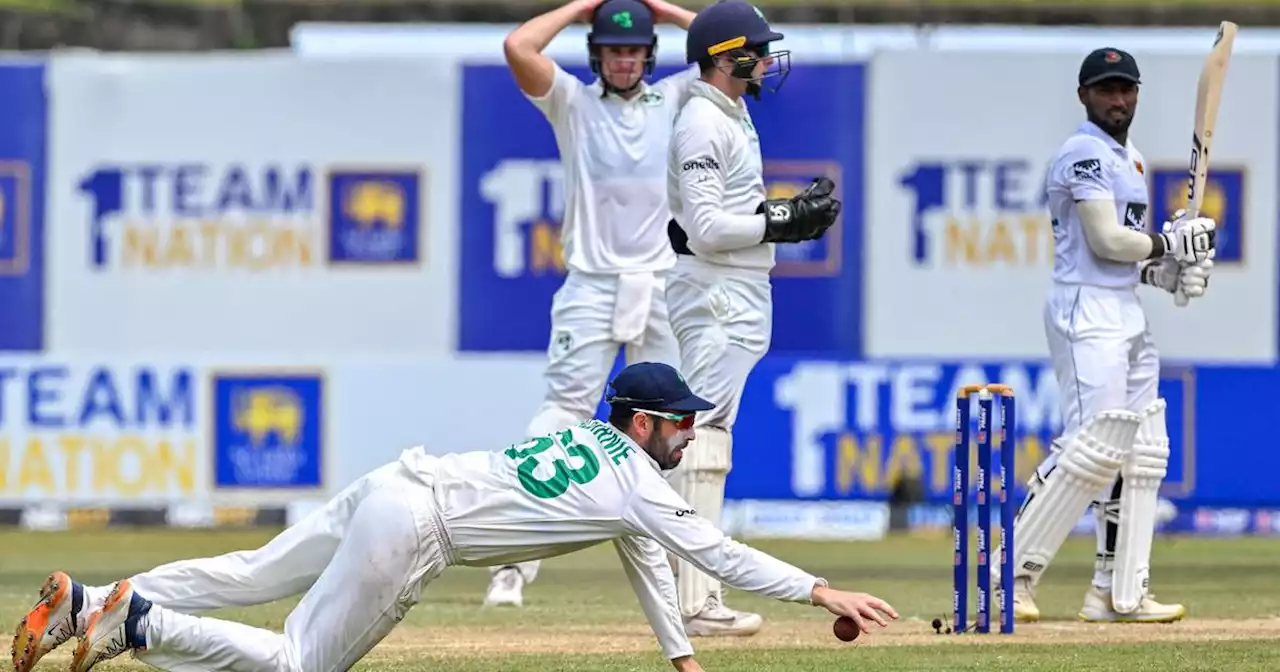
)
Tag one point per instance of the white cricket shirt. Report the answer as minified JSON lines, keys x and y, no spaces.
{"x":1092,"y":165}
{"x":590,"y":483}
{"x":613,"y":152}
{"x":715,"y":180}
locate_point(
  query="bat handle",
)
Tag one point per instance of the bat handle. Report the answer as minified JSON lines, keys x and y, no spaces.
{"x":1180,"y":298}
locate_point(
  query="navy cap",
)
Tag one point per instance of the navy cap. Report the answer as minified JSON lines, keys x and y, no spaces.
{"x":622,"y":23}
{"x":1108,"y":63}
{"x":725,"y":26}
{"x":655,"y":387}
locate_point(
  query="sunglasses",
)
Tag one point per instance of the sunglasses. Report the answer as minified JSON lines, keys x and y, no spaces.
{"x":682,"y":421}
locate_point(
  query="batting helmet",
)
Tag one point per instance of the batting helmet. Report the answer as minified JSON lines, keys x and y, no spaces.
{"x":622,"y":23}
{"x":739,"y":30}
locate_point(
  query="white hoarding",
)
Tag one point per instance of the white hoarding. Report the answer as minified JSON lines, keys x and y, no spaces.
{"x":251,"y":202}
{"x":267,"y":430}
{"x":956,"y":231}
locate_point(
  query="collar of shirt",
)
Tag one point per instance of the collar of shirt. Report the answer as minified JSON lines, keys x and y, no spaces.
{"x":734,"y":108}
{"x":597,"y":88}
{"x":1091,"y":128}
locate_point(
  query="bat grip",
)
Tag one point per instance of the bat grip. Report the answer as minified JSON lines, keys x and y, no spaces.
{"x":1180,"y":298}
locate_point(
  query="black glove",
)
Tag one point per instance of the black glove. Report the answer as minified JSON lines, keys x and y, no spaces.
{"x":805,"y":216}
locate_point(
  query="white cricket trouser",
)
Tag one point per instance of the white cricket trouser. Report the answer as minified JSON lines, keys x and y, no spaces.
{"x":723,"y":319}
{"x":1102,"y":352}
{"x":592,"y":315}
{"x":369,"y":552}
{"x":1104,"y":359}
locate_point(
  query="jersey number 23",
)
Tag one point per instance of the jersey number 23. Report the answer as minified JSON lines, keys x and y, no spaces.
{"x":546,"y":488}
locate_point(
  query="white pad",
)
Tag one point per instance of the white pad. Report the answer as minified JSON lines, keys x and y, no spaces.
{"x":700,"y":481}
{"x":1143,"y":471}
{"x":1089,"y":461}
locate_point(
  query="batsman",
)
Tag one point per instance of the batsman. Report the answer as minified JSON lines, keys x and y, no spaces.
{"x":1114,"y":448}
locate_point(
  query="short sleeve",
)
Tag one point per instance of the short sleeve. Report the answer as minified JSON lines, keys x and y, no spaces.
{"x":1085,"y":170}
{"x":559,"y":100}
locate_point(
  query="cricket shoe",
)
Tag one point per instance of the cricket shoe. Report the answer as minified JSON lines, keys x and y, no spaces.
{"x":717,"y":620}
{"x":1024,"y":600}
{"x":119,"y":626}
{"x":1098,"y":609}
{"x":53,"y":620}
{"x":506,"y":589}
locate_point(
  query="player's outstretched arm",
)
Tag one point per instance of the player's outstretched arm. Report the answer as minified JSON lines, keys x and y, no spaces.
{"x":649,"y":573}
{"x":533,"y":71}
{"x":655,"y":511}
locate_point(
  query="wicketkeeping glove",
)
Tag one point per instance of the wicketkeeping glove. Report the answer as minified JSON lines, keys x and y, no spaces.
{"x":805,"y":216}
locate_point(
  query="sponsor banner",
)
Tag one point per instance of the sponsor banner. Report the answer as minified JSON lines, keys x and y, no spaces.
{"x":961,"y":234}
{"x":234,"y":203}
{"x":512,"y":200}
{"x":99,"y":433}
{"x":22,"y":203}
{"x":278,"y":430}
{"x":839,"y":430}
{"x":832,"y":521}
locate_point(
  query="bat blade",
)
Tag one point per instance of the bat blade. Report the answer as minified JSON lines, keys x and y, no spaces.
{"x":1208,"y":96}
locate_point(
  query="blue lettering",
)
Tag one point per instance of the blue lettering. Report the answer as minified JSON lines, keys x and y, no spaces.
{"x":149,"y":174}
{"x":971,"y":169}
{"x":1009,"y":185}
{"x":42,"y":392}
{"x":154,"y":407}
{"x":186,"y":190}
{"x":284,"y":197}
{"x":101,"y":398}
{"x":236,"y":192}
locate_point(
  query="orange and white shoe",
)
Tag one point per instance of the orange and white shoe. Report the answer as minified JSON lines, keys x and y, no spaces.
{"x":53,"y":620}
{"x":119,"y":626}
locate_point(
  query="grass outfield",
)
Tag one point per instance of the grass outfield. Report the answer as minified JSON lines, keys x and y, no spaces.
{"x":580,"y":613}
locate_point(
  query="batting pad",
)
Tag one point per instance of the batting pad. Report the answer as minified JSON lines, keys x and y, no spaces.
{"x":1143,"y":470}
{"x":1090,"y":460}
{"x":700,"y":481}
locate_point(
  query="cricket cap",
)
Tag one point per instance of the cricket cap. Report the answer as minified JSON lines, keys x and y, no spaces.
{"x":656,"y":387}
{"x":1108,"y":63}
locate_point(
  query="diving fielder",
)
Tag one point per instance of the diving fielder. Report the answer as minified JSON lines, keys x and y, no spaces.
{"x":613,"y":136}
{"x":365,"y":558}
{"x":1114,"y":450}
{"x":723,"y":232}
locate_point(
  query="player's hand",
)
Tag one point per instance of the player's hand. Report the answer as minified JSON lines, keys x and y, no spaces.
{"x":805,"y":216}
{"x":686,"y":664}
{"x":864,"y":609}
{"x":664,"y":12}
{"x":1193,"y":279}
{"x":586,"y":9}
{"x":1162,"y":273}
{"x":1189,"y":240}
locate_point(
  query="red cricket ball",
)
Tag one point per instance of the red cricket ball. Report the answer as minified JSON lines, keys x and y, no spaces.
{"x":846,"y":629}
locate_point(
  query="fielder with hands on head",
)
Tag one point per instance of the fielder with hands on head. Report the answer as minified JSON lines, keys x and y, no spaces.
{"x":364,"y":559}
{"x":613,"y":136}
{"x":1114,"y":449}
{"x":723,"y":231}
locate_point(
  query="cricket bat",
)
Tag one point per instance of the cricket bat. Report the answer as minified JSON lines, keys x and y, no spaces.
{"x":1208,"y":96}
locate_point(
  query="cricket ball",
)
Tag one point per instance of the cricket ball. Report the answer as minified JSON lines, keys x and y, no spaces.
{"x":846,"y":629}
